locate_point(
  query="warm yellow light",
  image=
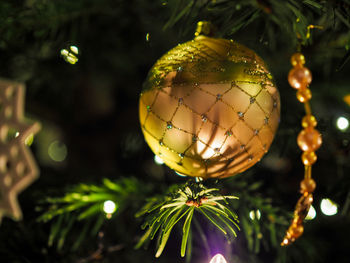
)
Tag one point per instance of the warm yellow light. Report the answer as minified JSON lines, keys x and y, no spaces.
{"x":311,"y":214}
{"x":64,"y":52}
{"x":347,"y":99}
{"x":109,"y":207}
{"x":342,"y":123}
{"x":255,"y":214}
{"x":57,"y":151}
{"x":29,"y":140}
{"x":74,"y":49}
{"x":158,"y":160}
{"x":218,"y":258}
{"x":328,"y":207}
{"x":70,"y":55}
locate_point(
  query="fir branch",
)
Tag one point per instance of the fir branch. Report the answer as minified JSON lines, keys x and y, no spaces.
{"x":259,"y":216}
{"x":84,"y":203}
{"x":183,"y":203}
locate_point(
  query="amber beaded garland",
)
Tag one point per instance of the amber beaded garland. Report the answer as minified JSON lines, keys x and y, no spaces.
{"x":309,"y":158}
{"x":307,"y":185}
{"x":299,"y":77}
{"x":297,"y":231}
{"x":297,"y":59}
{"x":309,"y":121}
{"x":209,"y":108}
{"x":309,"y":140}
{"x":304,"y":95}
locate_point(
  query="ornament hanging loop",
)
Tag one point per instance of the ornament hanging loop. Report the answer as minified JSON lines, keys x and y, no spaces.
{"x":205,"y":28}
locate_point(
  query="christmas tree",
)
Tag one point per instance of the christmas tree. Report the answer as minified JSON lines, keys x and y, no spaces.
{"x":108,"y":193}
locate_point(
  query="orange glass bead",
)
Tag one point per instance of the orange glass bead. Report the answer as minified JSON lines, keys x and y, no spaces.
{"x":309,"y":158}
{"x":297,"y":59}
{"x":304,"y":95}
{"x":297,"y":220}
{"x":307,"y":185}
{"x":309,"y":121}
{"x":303,"y":206}
{"x":299,"y":77}
{"x":296,"y":230}
{"x":309,"y":140}
{"x":286,"y":241}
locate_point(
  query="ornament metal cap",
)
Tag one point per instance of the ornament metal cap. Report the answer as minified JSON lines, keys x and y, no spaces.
{"x":204,"y":28}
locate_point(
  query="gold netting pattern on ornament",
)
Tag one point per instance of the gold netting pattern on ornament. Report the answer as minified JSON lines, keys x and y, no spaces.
{"x":17,"y":166}
{"x":256,"y":71}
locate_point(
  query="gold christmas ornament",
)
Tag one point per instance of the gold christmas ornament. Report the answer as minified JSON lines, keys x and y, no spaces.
{"x":209,"y":107}
{"x":17,"y":165}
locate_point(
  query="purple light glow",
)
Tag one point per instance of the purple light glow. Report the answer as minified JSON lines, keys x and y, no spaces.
{"x":218,"y":258}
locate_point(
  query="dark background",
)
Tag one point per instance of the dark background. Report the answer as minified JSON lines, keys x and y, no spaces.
{"x":92,"y":108}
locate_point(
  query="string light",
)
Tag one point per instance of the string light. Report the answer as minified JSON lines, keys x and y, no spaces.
{"x":342,"y":123}
{"x":158,"y":160}
{"x":109,"y":207}
{"x":328,"y":207}
{"x":218,"y":258}
{"x":311,"y":214}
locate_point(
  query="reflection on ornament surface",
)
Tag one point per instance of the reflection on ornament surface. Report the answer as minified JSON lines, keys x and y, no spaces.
{"x":158,"y":160}
{"x":209,"y":107}
{"x":218,"y":258}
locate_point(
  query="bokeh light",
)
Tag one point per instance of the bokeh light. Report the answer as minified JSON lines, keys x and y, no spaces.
{"x":218,"y":258}
{"x":342,"y":123}
{"x":311,"y":214}
{"x":328,"y":207}
{"x":71,"y":55}
{"x":347,"y":99}
{"x":29,"y":140}
{"x":57,"y":151}
{"x":109,"y":207}
{"x":255,"y":214}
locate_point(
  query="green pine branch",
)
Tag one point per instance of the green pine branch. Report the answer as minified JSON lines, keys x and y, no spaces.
{"x":164,"y":212}
{"x":85,"y":204}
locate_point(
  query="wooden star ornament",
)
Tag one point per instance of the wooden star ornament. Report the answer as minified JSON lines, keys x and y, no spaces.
{"x":17,"y":165}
